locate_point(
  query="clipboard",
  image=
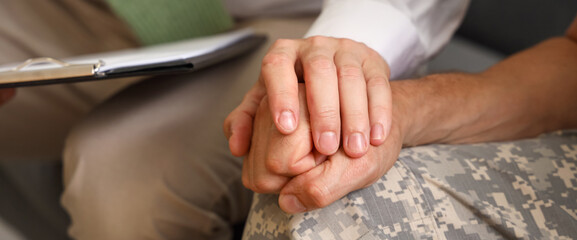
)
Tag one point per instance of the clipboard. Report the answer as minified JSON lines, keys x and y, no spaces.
{"x":178,"y":57}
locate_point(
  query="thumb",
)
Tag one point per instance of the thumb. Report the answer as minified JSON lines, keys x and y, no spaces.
{"x":238,"y":124}
{"x":334,"y":178}
{"x":318,"y":187}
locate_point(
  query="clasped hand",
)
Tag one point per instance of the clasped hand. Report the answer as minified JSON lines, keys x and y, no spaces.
{"x":296,"y":128}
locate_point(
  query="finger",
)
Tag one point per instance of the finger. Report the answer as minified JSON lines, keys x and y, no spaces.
{"x":316,"y":188}
{"x":380,"y":100}
{"x":290,"y":155}
{"x":259,"y":179}
{"x":322,"y":90}
{"x":6,"y":94}
{"x":353,"y":98}
{"x":279,"y":76}
{"x":238,"y":125}
{"x":255,"y":173}
{"x":336,"y":177}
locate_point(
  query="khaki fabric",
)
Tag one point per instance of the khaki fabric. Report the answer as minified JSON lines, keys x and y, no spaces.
{"x":34,"y":124}
{"x":521,"y":189}
{"x":153,"y":163}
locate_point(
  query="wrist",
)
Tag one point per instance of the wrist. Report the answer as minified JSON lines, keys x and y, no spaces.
{"x":404,"y":111}
{"x":438,"y":108}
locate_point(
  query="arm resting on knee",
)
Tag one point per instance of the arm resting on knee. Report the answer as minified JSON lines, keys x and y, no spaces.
{"x":531,"y":92}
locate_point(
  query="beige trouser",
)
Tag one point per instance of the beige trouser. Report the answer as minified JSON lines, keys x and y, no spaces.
{"x":152,"y":162}
{"x":34,"y":124}
{"x":149,"y":163}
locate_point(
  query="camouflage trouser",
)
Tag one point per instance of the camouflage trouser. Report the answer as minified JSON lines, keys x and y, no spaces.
{"x":522,"y":189}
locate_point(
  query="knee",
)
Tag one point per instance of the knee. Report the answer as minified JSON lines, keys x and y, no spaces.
{"x":108,"y":191}
{"x":127,"y":182}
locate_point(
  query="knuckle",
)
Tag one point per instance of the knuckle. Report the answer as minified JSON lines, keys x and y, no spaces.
{"x":374,"y":54}
{"x":349,"y":43}
{"x":274,"y":59}
{"x":350,"y":72}
{"x":328,"y":114}
{"x":318,"y":40}
{"x":282,"y":96}
{"x":378,"y":82}
{"x":292,"y":170}
{"x":283,"y":43}
{"x":358,"y":47}
{"x":320,"y":62}
{"x":373,"y":172}
{"x":263,"y":185}
{"x":320,"y":195}
{"x":373,"y":175}
{"x":356,"y":116}
{"x":275,"y":166}
{"x":372,"y":168}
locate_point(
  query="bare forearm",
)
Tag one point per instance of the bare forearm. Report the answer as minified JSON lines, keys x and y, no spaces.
{"x":530,"y":93}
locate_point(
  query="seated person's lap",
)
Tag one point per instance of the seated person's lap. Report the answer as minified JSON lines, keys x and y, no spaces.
{"x":520,"y":189}
{"x":153,"y":162}
{"x":35,"y":123}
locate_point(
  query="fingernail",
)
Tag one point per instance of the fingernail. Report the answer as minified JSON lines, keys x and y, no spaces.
{"x":357,"y":143}
{"x":377,"y":132}
{"x":328,"y":141}
{"x":287,"y":121}
{"x":292,"y":204}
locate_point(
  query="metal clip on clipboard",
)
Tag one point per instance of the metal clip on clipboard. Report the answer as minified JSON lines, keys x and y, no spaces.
{"x":64,"y":70}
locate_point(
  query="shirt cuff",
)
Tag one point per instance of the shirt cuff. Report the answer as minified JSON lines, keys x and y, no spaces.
{"x":377,"y":24}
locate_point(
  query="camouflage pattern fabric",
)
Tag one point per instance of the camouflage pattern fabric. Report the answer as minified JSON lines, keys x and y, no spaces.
{"x":524,"y":189}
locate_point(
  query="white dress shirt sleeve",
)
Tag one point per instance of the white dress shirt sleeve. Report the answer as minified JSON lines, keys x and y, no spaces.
{"x":405,"y":32}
